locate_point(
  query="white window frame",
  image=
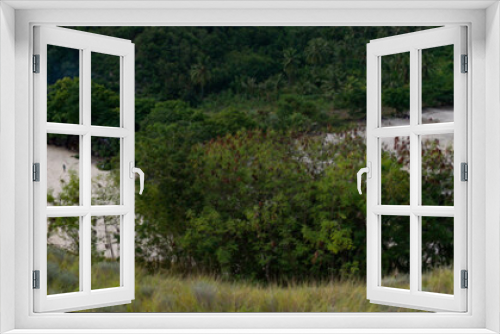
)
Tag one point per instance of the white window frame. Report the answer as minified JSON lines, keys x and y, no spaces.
{"x":482,"y":19}
{"x":86,"y":44}
{"x":413,"y":44}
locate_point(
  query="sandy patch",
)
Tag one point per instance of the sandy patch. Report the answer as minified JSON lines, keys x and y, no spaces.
{"x":59,"y":162}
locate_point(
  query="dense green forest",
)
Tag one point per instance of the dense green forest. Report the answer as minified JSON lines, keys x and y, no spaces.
{"x":250,"y":139}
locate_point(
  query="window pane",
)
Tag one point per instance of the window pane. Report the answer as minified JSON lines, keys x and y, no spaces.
{"x":105,"y":90}
{"x":105,"y":252}
{"x":395,"y":89}
{"x":63,"y":85}
{"x":63,"y":170}
{"x":396,"y":252}
{"x":437,"y":254}
{"x":63,"y":264}
{"x":437,"y":169}
{"x":437,"y":84}
{"x":395,"y":157}
{"x":105,"y":171}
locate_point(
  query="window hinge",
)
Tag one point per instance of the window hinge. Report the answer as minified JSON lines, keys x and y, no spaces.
{"x":36,"y":279}
{"x":464,"y":171}
{"x":36,"y":172}
{"x":465,"y":64}
{"x":465,"y":279}
{"x":36,"y":63}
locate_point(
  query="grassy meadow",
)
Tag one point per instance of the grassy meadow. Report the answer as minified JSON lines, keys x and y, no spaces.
{"x":163,"y":291}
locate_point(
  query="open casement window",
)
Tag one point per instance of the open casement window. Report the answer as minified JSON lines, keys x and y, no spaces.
{"x":402,"y":224}
{"x":89,"y":228}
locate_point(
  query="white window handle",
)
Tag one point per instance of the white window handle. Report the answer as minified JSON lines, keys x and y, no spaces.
{"x":134,"y":170}
{"x":368,"y":171}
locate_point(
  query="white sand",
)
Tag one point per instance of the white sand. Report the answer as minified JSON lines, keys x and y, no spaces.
{"x":428,"y":115}
{"x":59,"y":161}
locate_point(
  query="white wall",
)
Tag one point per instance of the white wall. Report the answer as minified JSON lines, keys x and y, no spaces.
{"x":492,"y":148}
{"x":257,"y":17}
{"x":7,"y":160}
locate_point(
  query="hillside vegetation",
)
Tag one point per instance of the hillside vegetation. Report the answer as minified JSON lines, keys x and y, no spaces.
{"x":250,"y":139}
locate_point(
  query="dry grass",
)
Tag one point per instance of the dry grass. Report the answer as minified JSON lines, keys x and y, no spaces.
{"x":163,"y":292}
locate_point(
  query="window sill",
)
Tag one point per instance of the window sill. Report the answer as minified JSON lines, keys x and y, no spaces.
{"x":250,"y":331}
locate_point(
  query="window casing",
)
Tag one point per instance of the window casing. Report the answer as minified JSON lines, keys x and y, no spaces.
{"x":26,"y":319}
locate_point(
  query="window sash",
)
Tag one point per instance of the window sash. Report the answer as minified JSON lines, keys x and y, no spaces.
{"x":87,"y":43}
{"x":413,"y":43}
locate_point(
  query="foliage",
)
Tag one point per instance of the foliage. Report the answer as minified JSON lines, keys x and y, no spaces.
{"x":179,"y":62}
{"x":250,"y":144}
{"x":270,"y":206}
{"x":63,"y":106}
{"x":62,"y":270}
{"x":437,"y":76}
{"x":396,"y":82}
{"x":64,"y":236}
{"x":437,"y":189}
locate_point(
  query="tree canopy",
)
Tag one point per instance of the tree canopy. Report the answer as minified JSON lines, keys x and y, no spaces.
{"x":250,"y":139}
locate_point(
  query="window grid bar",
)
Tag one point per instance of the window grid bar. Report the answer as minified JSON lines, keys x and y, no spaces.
{"x":93,"y":130}
{"x":122,"y":254}
{"x":379,"y":249}
{"x":87,"y":173}
{"x":122,"y":105}
{"x":414,"y":172}
{"x":419,"y":254}
{"x":392,"y":210}
{"x":86,"y":255}
{"x":122,"y":155}
{"x":418,"y":164}
{"x":422,"y":129}
{"x":81,"y":248}
{"x":94,"y":210}
{"x":407,"y":210}
{"x":123,"y":174}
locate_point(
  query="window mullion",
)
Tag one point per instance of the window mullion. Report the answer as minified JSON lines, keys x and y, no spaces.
{"x":86,"y":171}
{"x":86,"y":254}
{"x":81,"y":230}
{"x":414,"y":170}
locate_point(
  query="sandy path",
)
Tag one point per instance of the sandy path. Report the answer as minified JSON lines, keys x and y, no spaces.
{"x":59,"y":161}
{"x":429,"y":115}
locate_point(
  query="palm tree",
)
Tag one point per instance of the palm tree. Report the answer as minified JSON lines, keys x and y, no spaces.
{"x":249,"y":85}
{"x":277,"y":84}
{"x":200,"y":74}
{"x":316,"y":51}
{"x":290,"y":62}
